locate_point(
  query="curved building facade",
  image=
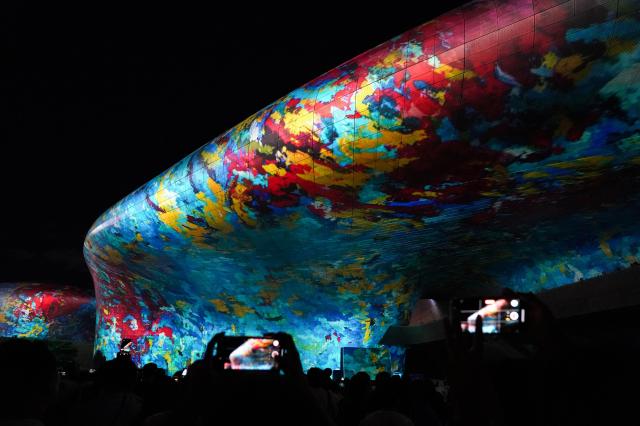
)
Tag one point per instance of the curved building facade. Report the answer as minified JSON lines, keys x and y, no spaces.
{"x":495,"y":146}
{"x":42,"y":311}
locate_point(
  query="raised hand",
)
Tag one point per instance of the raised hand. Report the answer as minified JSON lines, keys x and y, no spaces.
{"x":208,"y":354}
{"x":289,"y":362}
{"x":472,"y":393}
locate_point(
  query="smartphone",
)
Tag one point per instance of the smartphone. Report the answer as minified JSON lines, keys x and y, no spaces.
{"x":248,"y":353}
{"x":337,"y":375}
{"x":499,"y":315}
{"x":125,"y":345}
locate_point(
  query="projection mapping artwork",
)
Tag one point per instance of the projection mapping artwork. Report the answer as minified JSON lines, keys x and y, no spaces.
{"x":370,"y":360}
{"x":495,"y":146}
{"x":41,"y":311}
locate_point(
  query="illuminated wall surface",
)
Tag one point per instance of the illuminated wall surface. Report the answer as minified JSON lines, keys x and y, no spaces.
{"x":370,"y":360}
{"x":40,"y":311}
{"x":494,"y":146}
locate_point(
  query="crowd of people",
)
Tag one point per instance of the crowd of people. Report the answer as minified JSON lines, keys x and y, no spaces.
{"x":552,"y":381}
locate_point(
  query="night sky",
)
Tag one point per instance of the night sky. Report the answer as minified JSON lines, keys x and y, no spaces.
{"x":97,"y":102}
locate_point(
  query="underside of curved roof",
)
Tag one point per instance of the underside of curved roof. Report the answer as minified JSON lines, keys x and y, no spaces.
{"x":495,"y":146}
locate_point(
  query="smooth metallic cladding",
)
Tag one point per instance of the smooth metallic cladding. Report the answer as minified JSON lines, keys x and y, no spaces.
{"x":493,"y":146}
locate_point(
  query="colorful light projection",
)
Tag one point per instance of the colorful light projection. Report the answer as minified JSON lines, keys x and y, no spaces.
{"x":494,"y":146}
{"x":369,"y":360}
{"x":41,"y":311}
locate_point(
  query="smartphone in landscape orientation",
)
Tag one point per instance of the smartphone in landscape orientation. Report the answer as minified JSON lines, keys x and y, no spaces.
{"x":499,"y":315}
{"x":249,"y":353}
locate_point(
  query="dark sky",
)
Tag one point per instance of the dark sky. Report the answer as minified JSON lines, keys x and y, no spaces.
{"x":95,"y":102}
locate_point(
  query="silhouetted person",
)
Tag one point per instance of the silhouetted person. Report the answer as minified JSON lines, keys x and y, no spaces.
{"x":353,"y":406}
{"x":155,"y":389}
{"x":113,"y":403}
{"x":98,"y":360}
{"x":29,"y":381}
{"x":320,"y":386}
{"x":386,"y":418}
{"x":212,"y":395}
